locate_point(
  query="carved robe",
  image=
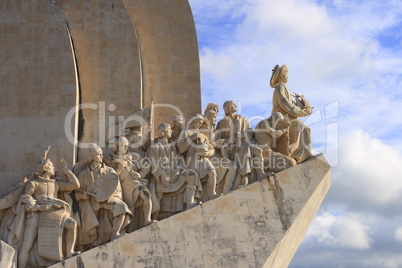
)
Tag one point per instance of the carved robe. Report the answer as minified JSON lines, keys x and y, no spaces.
{"x":165,"y":162}
{"x":275,"y":145}
{"x":194,"y":150}
{"x":299,"y":133}
{"x":224,"y":167}
{"x":231,"y":128}
{"x":90,"y":219}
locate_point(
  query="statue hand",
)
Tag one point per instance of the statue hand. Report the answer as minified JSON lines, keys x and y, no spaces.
{"x":128,"y":157}
{"x":175,"y":173}
{"x":195,"y":136}
{"x":165,"y":181}
{"x":135,"y":175}
{"x":45,"y":208}
{"x":302,"y":113}
{"x":296,"y":95}
{"x":220,"y":142}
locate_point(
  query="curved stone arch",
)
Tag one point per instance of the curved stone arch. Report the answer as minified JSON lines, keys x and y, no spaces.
{"x":108,"y":62}
{"x":169,"y":55}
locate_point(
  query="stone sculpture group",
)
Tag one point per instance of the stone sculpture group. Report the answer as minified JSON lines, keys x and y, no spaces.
{"x":52,"y":215}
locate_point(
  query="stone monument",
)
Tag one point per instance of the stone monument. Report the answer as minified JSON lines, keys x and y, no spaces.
{"x":101,"y":82}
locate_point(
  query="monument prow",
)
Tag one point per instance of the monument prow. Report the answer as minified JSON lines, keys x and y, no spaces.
{"x":260,"y":225}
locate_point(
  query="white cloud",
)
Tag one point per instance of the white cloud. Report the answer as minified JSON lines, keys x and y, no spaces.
{"x":368,"y":173}
{"x":398,"y":234}
{"x":344,"y":231}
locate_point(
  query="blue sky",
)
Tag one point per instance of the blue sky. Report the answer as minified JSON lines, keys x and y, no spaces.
{"x":345,"y":57}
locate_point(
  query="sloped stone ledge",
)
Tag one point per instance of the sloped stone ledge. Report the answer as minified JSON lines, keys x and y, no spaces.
{"x":260,"y":225}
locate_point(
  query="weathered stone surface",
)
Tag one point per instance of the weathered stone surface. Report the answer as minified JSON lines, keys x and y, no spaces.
{"x":108,"y":63}
{"x":38,"y":87}
{"x":169,"y":56}
{"x":260,"y":225}
{"x":8,"y":256}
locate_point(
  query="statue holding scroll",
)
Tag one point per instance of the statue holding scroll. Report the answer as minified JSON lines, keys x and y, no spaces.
{"x":47,"y":216}
{"x":103,"y":214}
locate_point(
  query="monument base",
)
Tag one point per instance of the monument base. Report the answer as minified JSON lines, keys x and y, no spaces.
{"x":260,"y":225}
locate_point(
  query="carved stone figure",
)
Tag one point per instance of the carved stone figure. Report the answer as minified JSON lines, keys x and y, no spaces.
{"x":197,"y":150}
{"x":239,"y":137}
{"x":176,"y":187}
{"x":134,"y":185}
{"x":12,"y":215}
{"x":103,"y":214}
{"x":212,"y":106}
{"x":137,"y":144}
{"x":272,"y":135}
{"x":208,"y":125}
{"x":225,"y":168}
{"x":232,"y":126}
{"x":299,"y":133}
{"x":47,"y":215}
{"x":177,"y":127}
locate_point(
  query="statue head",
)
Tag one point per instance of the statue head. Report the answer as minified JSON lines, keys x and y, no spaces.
{"x":121,"y":145}
{"x":279,"y":75}
{"x":164,"y":131}
{"x":229,"y":107}
{"x":95,"y":153}
{"x":134,"y":137}
{"x":212,"y":106}
{"x":45,"y":165}
{"x":210,"y":115}
{"x":178,"y":121}
{"x":196,"y":121}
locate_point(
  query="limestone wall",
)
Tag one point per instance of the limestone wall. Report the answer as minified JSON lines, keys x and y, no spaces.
{"x":169,"y":54}
{"x":37,"y":88}
{"x":108,"y":61}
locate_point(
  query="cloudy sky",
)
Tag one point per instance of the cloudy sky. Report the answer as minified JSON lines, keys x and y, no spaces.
{"x":345,"y":57}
